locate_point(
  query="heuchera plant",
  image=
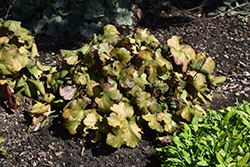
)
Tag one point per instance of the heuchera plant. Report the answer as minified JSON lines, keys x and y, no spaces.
{"x":116,"y":86}
{"x":17,"y":63}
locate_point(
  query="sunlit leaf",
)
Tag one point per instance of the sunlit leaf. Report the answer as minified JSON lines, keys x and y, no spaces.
{"x":74,"y":114}
{"x":182,"y":54}
{"x":125,"y":129}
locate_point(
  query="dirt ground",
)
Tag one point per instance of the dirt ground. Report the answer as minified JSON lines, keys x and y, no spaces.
{"x":225,"y":39}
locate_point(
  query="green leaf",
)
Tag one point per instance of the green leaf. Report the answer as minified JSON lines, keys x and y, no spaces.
{"x":125,"y":129}
{"x":230,"y":113}
{"x":121,"y":54}
{"x":93,"y":89}
{"x":152,"y":122}
{"x":141,"y":81}
{"x":203,"y":64}
{"x":143,"y":37}
{"x":74,"y":114}
{"x":2,"y":140}
{"x":202,"y":163}
{"x":124,"y":17}
{"x":8,"y":57}
{"x":190,"y":111}
{"x":200,"y":82}
{"x":221,"y":160}
{"x":39,"y":112}
{"x":160,"y":122}
{"x":110,"y":34}
{"x":218,"y":80}
{"x":186,"y":156}
{"x":91,"y":121}
{"x":182,"y":54}
{"x":243,"y":161}
{"x":12,"y":25}
{"x":145,"y":102}
{"x":104,"y":51}
{"x":70,"y":56}
{"x":48,"y":97}
{"x":126,"y":77}
{"x":108,"y":99}
{"x":3,"y":152}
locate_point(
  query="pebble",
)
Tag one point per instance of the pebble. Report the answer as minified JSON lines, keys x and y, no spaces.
{"x":246,"y":89}
{"x":246,"y":73}
{"x":244,"y":82}
{"x":237,"y":94}
{"x":246,"y":95}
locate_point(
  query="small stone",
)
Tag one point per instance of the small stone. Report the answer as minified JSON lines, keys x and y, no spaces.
{"x":42,"y":154}
{"x":245,"y":82}
{"x":246,"y":95}
{"x":246,"y":73}
{"x":246,"y":89}
{"x":237,"y":94}
{"x":58,"y":153}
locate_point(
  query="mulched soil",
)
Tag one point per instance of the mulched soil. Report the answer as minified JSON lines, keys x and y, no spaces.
{"x":225,"y":39}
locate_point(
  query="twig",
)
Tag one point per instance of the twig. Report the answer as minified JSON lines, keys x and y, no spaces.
{"x":233,"y":75}
{"x":229,"y":10}
{"x":11,"y":3}
{"x":197,"y":6}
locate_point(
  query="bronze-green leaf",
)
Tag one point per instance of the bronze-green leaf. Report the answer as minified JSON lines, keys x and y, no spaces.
{"x":125,"y":129}
{"x":74,"y":114}
{"x":8,"y":57}
{"x":121,"y":54}
{"x":182,"y":54}
{"x":108,"y":99}
{"x":110,"y":34}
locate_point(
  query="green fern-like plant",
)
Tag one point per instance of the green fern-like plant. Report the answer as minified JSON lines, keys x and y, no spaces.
{"x":222,"y":139}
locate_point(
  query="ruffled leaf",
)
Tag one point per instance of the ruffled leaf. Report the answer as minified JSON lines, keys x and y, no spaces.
{"x":110,"y":34}
{"x":125,"y":129}
{"x":74,"y":114}
{"x":182,"y":54}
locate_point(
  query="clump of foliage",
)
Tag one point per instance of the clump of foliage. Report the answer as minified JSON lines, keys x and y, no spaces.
{"x":113,"y":87}
{"x":239,"y":8}
{"x":56,"y":17}
{"x":17,"y":63}
{"x":116,"y":87}
{"x":2,"y":151}
{"x":222,"y":139}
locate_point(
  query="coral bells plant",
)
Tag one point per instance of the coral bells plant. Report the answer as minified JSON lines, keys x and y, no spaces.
{"x":121,"y":85}
{"x":115,"y":87}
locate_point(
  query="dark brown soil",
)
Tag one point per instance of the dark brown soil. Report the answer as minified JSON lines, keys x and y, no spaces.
{"x":226,"y":39}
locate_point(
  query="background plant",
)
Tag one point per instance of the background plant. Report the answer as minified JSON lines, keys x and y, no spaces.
{"x":222,"y":139}
{"x":239,"y":8}
{"x":56,"y":17}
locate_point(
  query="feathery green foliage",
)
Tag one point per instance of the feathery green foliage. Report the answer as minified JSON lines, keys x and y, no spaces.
{"x":221,"y":139}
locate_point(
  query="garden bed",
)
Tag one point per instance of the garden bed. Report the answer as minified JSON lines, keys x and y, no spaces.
{"x":225,"y":39}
